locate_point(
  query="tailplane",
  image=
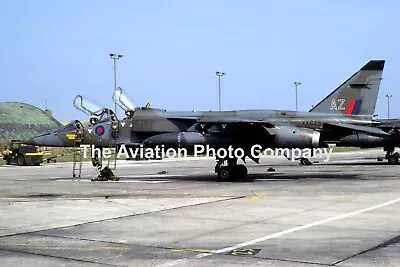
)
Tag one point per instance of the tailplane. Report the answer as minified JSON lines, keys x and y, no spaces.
{"x":357,"y":95}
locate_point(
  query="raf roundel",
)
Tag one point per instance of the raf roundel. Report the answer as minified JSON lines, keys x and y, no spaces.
{"x":99,"y":130}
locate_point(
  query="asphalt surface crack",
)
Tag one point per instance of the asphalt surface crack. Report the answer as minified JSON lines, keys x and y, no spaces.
{"x":56,"y":257}
{"x":284,"y":260}
{"x":125,"y":216}
{"x":382,"y":245}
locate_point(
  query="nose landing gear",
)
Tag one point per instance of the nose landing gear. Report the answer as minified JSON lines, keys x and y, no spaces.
{"x":231,"y":171}
{"x":393,"y":158}
{"x":106,"y":174}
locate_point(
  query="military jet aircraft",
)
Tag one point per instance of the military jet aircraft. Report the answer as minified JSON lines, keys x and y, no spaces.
{"x":346,"y":110}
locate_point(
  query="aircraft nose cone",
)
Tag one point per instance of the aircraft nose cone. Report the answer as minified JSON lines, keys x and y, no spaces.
{"x":49,"y":139}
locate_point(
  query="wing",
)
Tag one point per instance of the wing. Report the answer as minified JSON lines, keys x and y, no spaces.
{"x":388,"y":124}
{"x":374,"y":131}
{"x":233,"y":120}
{"x":251,"y":128}
{"x":358,"y":128}
{"x":231,"y":125}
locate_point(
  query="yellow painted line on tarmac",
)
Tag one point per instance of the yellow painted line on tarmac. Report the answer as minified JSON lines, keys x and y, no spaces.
{"x":255,"y":197}
{"x":191,"y":250}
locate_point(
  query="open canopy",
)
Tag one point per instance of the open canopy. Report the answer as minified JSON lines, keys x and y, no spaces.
{"x":122,"y":100}
{"x":87,"y":106}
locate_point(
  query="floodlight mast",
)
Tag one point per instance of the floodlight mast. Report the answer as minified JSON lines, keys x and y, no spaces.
{"x":219,"y":74}
{"x":296,"y":84}
{"x":388,"y":105}
{"x":115,"y":57}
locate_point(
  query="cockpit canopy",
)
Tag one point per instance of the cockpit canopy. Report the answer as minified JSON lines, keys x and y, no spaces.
{"x":90,"y":108}
{"x":72,"y":126}
{"x":121,"y":98}
{"x":101,"y":114}
{"x":107,"y":115}
{"x":87,"y":106}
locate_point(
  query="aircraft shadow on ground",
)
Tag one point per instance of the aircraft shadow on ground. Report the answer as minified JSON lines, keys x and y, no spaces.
{"x":252,"y":177}
{"x":377,"y":163}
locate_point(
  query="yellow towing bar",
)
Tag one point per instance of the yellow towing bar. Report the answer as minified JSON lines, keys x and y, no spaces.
{"x":34,"y":154}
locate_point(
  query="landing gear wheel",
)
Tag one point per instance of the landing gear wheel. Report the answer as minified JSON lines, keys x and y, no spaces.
{"x":21,"y":160}
{"x":305,"y":162}
{"x":231,"y":170}
{"x":106,"y":174}
{"x":224,"y":173}
{"x":393,"y":159}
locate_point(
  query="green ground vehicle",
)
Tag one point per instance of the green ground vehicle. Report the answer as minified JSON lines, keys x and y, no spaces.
{"x":22,"y":155}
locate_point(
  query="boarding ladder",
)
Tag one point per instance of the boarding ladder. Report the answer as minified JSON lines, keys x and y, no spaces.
{"x":112,"y":145}
{"x":77,"y":158}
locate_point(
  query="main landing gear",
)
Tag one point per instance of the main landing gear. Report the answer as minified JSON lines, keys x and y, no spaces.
{"x":305,"y":161}
{"x":393,"y":158}
{"x":106,"y":173}
{"x":231,"y":170}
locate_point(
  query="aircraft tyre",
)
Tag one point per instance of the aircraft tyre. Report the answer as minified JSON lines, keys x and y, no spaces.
{"x":393,"y":159}
{"x":21,"y":160}
{"x":305,"y":161}
{"x":224,"y":173}
{"x":227,"y":173}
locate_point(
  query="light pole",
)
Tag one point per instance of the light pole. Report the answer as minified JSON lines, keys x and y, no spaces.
{"x":296,"y":84}
{"x":114,"y":57}
{"x":388,"y":104}
{"x":219,"y":74}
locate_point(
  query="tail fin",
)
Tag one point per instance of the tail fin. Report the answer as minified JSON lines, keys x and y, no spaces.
{"x":357,"y":95}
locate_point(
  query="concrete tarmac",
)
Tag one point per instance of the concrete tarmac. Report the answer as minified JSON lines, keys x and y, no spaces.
{"x":344,"y":212}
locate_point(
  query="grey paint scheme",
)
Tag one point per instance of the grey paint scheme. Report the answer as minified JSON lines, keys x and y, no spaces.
{"x":243,"y":127}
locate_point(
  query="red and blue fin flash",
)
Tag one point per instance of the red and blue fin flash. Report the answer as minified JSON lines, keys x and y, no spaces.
{"x":353,"y":106}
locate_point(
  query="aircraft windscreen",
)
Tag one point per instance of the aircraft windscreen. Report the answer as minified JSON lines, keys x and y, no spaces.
{"x":87,"y":106}
{"x":122,"y":100}
{"x":107,"y":115}
{"x":73,"y":125}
